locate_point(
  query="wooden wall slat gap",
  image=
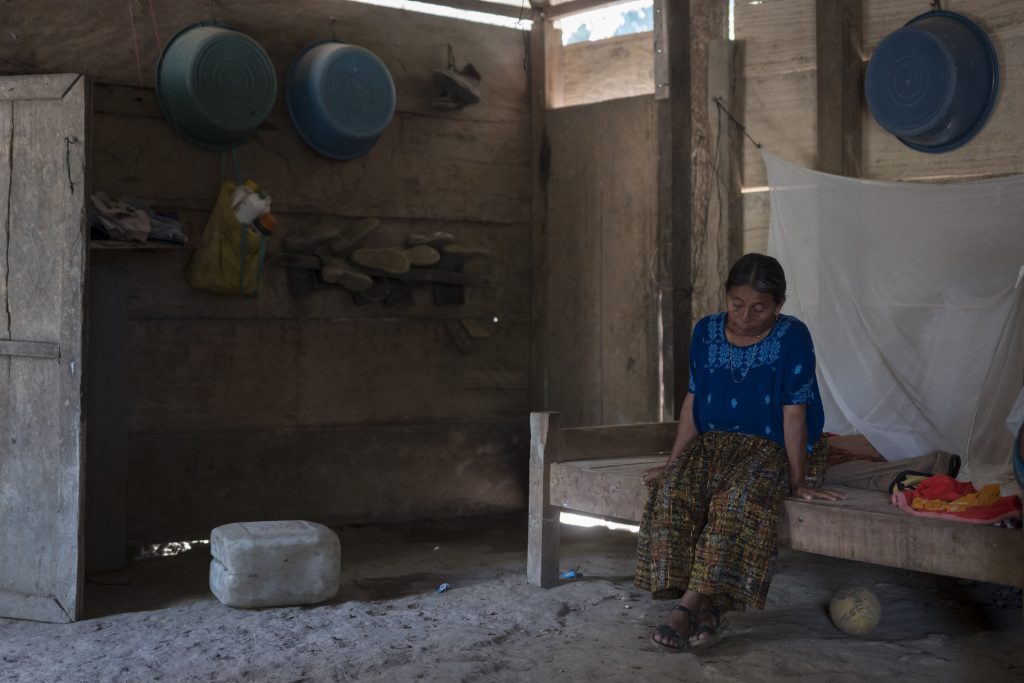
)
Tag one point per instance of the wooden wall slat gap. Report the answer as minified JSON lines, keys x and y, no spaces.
{"x":342,"y":426}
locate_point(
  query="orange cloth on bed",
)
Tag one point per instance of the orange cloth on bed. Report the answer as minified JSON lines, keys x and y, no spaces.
{"x":987,"y":496}
{"x":941,"y":493}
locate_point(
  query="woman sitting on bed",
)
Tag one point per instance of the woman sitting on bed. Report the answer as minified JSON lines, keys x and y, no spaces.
{"x":709,"y":529}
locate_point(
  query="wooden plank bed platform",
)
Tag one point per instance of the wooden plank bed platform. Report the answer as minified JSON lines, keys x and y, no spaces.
{"x":597,"y":471}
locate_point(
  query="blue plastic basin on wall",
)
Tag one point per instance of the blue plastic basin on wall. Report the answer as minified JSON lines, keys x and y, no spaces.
{"x":215,"y":85}
{"x":934,"y":82}
{"x":340,"y":98}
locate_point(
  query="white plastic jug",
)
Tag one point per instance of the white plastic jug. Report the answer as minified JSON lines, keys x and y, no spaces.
{"x":249,"y":203}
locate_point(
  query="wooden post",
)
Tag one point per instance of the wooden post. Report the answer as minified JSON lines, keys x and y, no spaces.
{"x":840,"y":85}
{"x":540,"y":165}
{"x":672,"y":37}
{"x":543,"y":536}
{"x":554,"y":81}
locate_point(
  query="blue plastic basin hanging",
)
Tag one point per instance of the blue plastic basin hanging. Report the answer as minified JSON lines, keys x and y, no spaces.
{"x":215,"y":85}
{"x":934,"y":82}
{"x":340,"y":98}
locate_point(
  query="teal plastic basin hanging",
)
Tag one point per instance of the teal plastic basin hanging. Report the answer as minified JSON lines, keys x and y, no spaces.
{"x":215,"y":85}
{"x":340,"y":98}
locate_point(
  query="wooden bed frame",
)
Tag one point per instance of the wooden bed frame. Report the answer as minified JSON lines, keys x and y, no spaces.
{"x":597,"y":471}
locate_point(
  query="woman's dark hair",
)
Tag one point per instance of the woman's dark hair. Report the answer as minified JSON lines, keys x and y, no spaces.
{"x":759,"y":272}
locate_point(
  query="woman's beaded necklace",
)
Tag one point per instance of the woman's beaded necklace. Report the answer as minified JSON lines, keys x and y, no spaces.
{"x":750,"y":358}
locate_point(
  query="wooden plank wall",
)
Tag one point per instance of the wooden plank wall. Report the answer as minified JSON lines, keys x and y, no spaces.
{"x":283,"y":406}
{"x":601,"y":276}
{"x":779,"y":72}
{"x":778,"y":81}
{"x":610,"y":69}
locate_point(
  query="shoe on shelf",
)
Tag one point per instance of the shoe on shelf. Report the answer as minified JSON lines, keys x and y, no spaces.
{"x":435,"y":239}
{"x":421,"y":255}
{"x":465,"y":252}
{"x":339,"y":271}
{"x":389,"y":260}
{"x":307,"y":241}
{"x":347,"y":240}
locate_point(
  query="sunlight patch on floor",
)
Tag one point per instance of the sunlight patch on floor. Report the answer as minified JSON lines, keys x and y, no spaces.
{"x":582,"y":520}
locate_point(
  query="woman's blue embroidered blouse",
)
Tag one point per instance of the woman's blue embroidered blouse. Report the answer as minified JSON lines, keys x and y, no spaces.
{"x":743,"y":388}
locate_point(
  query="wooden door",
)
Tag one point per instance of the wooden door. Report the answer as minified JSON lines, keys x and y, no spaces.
{"x":602,"y":283}
{"x":42,"y":270}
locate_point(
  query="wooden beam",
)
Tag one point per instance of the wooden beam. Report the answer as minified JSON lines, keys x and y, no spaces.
{"x":46,"y":87}
{"x":675,"y":179}
{"x":851,"y":530}
{"x":543,"y":532}
{"x":582,"y":443}
{"x":577,"y":6}
{"x":30,"y":349}
{"x":540,"y":166}
{"x":484,"y":7}
{"x":839,"y":26}
{"x":660,"y":53}
{"x":554,"y":80}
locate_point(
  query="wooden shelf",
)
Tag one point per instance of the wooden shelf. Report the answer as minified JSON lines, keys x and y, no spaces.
{"x":117,"y":245}
{"x":308,"y":262}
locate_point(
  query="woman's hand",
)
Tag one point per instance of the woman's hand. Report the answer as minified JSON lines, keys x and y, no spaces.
{"x":810,"y":493}
{"x":654,"y":474}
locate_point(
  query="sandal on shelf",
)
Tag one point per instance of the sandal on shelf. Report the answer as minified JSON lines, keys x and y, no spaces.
{"x":670,"y":634}
{"x":712,"y":627}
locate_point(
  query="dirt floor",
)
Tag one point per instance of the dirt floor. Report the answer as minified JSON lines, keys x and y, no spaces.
{"x":157,"y":621}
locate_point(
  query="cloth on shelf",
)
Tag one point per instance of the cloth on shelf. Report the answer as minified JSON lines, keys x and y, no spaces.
{"x":119,"y":221}
{"x":943,"y":497}
{"x":162,"y":227}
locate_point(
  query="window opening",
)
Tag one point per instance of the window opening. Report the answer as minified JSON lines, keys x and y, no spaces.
{"x":607,"y":22}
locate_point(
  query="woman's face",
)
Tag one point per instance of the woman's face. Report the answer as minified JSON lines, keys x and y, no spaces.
{"x":750,"y":313}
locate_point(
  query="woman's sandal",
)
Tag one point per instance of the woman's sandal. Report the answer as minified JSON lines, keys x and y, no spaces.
{"x":713,"y":629}
{"x":670,"y":633}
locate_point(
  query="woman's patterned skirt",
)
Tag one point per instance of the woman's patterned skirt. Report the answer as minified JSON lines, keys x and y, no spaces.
{"x":711,"y":523}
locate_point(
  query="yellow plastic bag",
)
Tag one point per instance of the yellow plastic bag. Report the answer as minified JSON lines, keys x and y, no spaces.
{"x":230,"y":260}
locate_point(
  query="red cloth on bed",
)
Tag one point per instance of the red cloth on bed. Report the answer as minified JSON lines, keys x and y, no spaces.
{"x":941,"y":487}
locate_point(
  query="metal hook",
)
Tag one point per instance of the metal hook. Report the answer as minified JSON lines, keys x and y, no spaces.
{"x":68,"y":141}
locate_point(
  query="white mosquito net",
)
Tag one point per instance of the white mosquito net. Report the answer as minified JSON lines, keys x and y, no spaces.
{"x":912,"y":294}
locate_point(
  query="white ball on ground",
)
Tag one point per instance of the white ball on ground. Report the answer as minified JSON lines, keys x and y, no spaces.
{"x":855,"y":610}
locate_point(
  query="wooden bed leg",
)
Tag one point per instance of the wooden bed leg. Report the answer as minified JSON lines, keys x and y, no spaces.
{"x":542,"y":551}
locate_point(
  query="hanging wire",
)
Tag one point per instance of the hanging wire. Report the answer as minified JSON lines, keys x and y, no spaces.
{"x":135,"y":46}
{"x":526,"y":39}
{"x":700,"y":234}
{"x":152,"y":17}
{"x":721,"y":105}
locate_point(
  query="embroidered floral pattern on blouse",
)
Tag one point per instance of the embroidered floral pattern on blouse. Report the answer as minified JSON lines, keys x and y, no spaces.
{"x":721,"y":352}
{"x":804,"y":394}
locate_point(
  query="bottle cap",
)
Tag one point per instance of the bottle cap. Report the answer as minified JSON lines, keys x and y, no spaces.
{"x":268,"y":221}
